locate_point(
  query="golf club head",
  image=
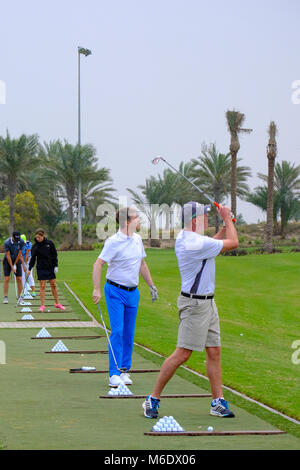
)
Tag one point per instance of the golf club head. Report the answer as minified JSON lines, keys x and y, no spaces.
{"x":123,"y":370}
{"x":156,"y":160}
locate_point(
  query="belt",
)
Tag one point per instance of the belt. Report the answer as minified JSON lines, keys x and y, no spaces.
{"x":129,"y":289}
{"x":194,"y":296}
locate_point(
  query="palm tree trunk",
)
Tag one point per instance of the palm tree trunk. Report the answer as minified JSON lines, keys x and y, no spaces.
{"x":283,"y":224}
{"x":217,"y":222}
{"x":71,"y":231}
{"x":268,"y":244}
{"x":233,"y":182}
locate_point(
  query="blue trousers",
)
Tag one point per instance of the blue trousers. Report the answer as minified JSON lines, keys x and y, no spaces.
{"x":122,"y":309}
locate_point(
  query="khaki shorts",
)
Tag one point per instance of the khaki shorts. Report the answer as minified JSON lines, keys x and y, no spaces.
{"x":199,"y":324}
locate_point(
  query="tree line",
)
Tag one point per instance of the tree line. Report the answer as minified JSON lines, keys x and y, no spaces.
{"x":222,"y":175}
{"x":40,"y":182}
{"x":50,"y":173}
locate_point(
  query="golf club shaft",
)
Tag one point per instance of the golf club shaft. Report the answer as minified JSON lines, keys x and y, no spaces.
{"x":112,"y":351}
{"x":196,"y":187}
{"x":16,"y":289}
{"x":26,"y":280}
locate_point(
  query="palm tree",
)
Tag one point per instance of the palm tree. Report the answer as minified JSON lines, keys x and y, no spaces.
{"x":235,"y":121}
{"x":17,"y":158}
{"x":212,"y":173}
{"x":96,"y":195}
{"x":3,"y":188}
{"x":42,"y":182}
{"x":271,"y":154}
{"x":184,"y":191}
{"x":287,"y":185}
{"x":160,"y":193}
{"x":286,"y":198}
{"x":67,"y":162}
{"x":259,"y":197}
{"x":147,"y":203}
{"x":174,"y":189}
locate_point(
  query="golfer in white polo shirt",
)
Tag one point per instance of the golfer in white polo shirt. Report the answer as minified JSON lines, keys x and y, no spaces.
{"x":125,"y":255}
{"x":199,"y":327}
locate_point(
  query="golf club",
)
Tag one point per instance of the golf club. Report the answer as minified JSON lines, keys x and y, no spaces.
{"x":16,"y":289}
{"x":123,"y":370}
{"x":157,"y":159}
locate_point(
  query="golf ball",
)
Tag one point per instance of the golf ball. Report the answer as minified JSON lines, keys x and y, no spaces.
{"x":210,"y":429}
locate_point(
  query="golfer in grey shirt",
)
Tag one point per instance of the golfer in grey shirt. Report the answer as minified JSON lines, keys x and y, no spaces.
{"x":199,"y":322}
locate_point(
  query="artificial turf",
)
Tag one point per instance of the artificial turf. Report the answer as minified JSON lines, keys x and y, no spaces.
{"x":43,"y":406}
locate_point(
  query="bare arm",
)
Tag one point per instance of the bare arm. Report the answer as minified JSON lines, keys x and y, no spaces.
{"x":8,"y":257}
{"x":20,"y":256}
{"x":231,"y":241}
{"x":220,"y":235}
{"x":97,"y":269}
{"x":145,"y":273}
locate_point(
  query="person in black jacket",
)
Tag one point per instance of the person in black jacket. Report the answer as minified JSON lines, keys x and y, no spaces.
{"x":44,"y":252}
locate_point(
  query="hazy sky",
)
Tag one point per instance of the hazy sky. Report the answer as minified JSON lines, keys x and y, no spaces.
{"x":160,"y":78}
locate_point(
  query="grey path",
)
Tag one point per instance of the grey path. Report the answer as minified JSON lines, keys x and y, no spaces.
{"x":49,"y":324}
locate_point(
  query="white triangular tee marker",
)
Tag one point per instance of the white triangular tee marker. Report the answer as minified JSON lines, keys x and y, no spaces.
{"x":59,"y":347}
{"x":43,"y":333}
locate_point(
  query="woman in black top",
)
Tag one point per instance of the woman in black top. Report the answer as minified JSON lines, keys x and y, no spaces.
{"x":45,"y":253}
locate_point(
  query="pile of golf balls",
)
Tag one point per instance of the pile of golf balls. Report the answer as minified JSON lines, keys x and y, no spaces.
{"x":121,"y":390}
{"x":167,"y":424}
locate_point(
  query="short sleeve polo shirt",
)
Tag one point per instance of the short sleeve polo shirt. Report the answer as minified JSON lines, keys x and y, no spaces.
{"x":123,"y":255}
{"x":26,"y":247}
{"x":13,"y":247}
{"x":191,"y":249}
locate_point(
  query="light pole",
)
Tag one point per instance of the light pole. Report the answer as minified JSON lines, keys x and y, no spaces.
{"x":85,"y":52}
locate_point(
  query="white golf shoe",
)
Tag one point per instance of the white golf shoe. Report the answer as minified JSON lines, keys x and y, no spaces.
{"x":115,"y":381}
{"x":126,"y":378}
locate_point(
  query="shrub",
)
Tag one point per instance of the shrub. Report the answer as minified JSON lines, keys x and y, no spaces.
{"x":238,"y":252}
{"x":85,"y":247}
{"x":97,"y":246}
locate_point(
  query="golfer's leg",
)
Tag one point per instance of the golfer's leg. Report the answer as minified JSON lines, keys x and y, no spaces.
{"x":54,"y":290}
{"x":115,"y":308}
{"x":169,"y":367}
{"x":214,"y":371}
{"x":5,"y":286}
{"x":42,"y":291}
{"x":31,"y":282}
{"x":130,"y":314}
{"x":19,"y":284}
{"x":23,"y":277}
